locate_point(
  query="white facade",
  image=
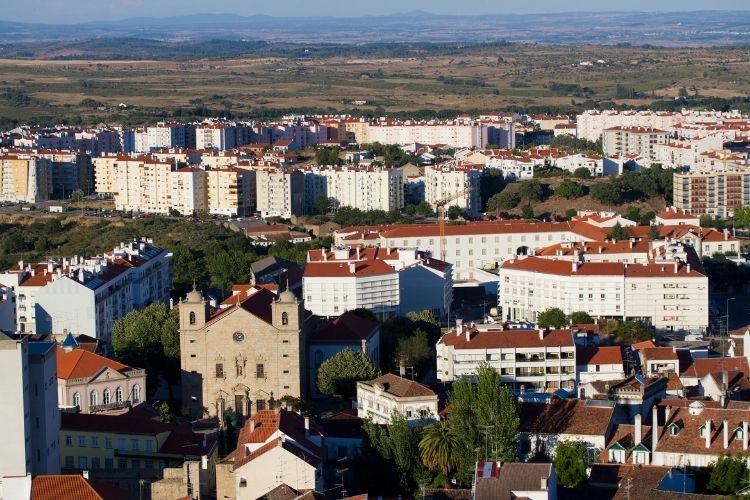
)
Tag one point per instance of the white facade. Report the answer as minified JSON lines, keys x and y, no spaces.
{"x":633,"y":141}
{"x":280,"y":192}
{"x":164,"y":135}
{"x":220,"y":136}
{"x":447,"y":180}
{"x":7,"y":310}
{"x":29,"y":408}
{"x":189,"y":192}
{"x":456,"y":134}
{"x":529,"y":360}
{"x":363,"y":188}
{"x":378,"y":399}
{"x":231,"y":191}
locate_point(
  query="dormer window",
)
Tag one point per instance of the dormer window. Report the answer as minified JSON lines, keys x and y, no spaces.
{"x":674,"y":429}
{"x":739,"y":433}
{"x":702,"y":431}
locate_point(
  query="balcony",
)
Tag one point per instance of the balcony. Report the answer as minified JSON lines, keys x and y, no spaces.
{"x":110,"y":406}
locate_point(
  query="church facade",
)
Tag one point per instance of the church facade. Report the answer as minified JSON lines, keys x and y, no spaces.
{"x":243,"y":356}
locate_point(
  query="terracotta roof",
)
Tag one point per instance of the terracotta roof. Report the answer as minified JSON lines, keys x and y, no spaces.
{"x":73,"y":487}
{"x":347,"y":328}
{"x":258,"y":304}
{"x":81,"y":363}
{"x":400,"y":387}
{"x":507,"y":339}
{"x":624,"y":435}
{"x":565,"y":416}
{"x":598,"y":356}
{"x":343,"y":270}
{"x":704,"y":366}
{"x":512,"y":478}
{"x":659,"y":354}
{"x":471,"y":228}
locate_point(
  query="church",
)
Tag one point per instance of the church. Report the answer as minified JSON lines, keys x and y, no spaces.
{"x":244,"y":355}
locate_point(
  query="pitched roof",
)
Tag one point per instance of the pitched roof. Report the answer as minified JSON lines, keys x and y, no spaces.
{"x":347,"y":328}
{"x":345,"y":270}
{"x":73,"y":487}
{"x":507,"y":339}
{"x":704,"y":366}
{"x":513,"y":477}
{"x":598,"y":355}
{"x":400,"y":387}
{"x":565,"y":416}
{"x":659,"y":354}
{"x":80,"y":363}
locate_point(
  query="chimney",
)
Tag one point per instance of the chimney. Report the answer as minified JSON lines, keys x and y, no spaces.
{"x":541,"y":334}
{"x":632,"y":242}
{"x":575,"y":266}
{"x":725,"y":425}
{"x":724,"y":381}
{"x":357,"y":253}
{"x":459,"y":325}
{"x":744,"y":435}
{"x":352,"y":267}
{"x":688,"y":268}
{"x":468,"y":334}
{"x":676,"y":266}
{"x":252,"y":425}
{"x":401,"y":368}
{"x":654,"y":428}
{"x":85,"y":475}
{"x":363,"y":344}
{"x":20,"y":265}
{"x":543,"y":484}
{"x":708,"y":433}
{"x":638,"y":429}
{"x":307,"y":427}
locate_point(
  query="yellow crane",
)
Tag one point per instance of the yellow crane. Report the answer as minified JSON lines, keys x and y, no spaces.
{"x":440,"y":205}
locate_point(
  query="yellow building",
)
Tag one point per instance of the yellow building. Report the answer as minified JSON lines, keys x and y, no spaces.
{"x":25,"y":178}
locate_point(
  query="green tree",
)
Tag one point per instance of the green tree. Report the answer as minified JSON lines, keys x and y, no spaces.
{"x":683,"y":93}
{"x":727,"y":475}
{"x":165,"y":413}
{"x":570,"y":463}
{"x":552,"y":317}
{"x":531,"y":190}
{"x":438,"y":447}
{"x":633,"y":213}
{"x":504,"y":200}
{"x":490,"y":184}
{"x":581,"y":318}
{"x":41,"y":244}
{"x":570,"y":213}
{"x":742,"y":216}
{"x":322,"y":203}
{"x":618,"y":233}
{"x":608,"y":193}
{"x":150,"y":339}
{"x":229,"y":267}
{"x":631,"y":332}
{"x":582,"y":173}
{"x":454,"y":212}
{"x":415,"y":350}
{"x":569,"y":189}
{"x":76,"y":196}
{"x":527,"y":212}
{"x":424,"y":209}
{"x":327,"y":156}
{"x":653,"y":233}
{"x":338,"y":375}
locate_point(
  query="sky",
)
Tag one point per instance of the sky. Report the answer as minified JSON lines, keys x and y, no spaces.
{"x":73,"y":11}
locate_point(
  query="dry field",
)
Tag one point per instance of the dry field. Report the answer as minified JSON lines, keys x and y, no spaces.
{"x":515,"y":77}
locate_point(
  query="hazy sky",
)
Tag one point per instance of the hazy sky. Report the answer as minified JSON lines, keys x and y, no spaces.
{"x":71,"y":11}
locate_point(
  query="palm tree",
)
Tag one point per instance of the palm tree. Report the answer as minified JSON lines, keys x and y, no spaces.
{"x":438,"y":447}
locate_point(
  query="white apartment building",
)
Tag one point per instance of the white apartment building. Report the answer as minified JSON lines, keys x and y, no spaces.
{"x":641,"y":141}
{"x":189,"y":190}
{"x":365,"y":188}
{"x":25,"y":178}
{"x":280,"y":191}
{"x":140,"y":184}
{"x":449,"y":179}
{"x":215,"y":135}
{"x":460,"y":133}
{"x":686,"y":153}
{"x":164,"y":135}
{"x":28,"y":408}
{"x":528,"y":360}
{"x":592,"y":124}
{"x":86,"y":296}
{"x":386,"y":281}
{"x":377,"y":399}
{"x":670,"y":291}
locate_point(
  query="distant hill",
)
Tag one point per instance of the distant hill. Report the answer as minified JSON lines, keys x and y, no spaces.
{"x":705,"y":28}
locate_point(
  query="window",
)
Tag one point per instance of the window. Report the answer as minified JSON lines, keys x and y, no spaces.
{"x":192,"y":318}
{"x":106,"y":396}
{"x":77,"y":400}
{"x":149,"y":445}
{"x":738,"y":434}
{"x":260,"y":404}
{"x":82,"y":463}
{"x":108,"y":443}
{"x":81,"y":441}
{"x":68,"y":462}
{"x":109,"y":464}
{"x":135,"y":394}
{"x":284,"y":318}
{"x":260,"y":371}
{"x":136,"y":464}
{"x":68,"y":440}
{"x":121,"y":444}
{"x":92,"y":399}
{"x":118,"y":395}
{"x":135,"y":444}
{"x":95,"y":463}
{"x":122,"y":463}
{"x":94,"y":441}
{"x":219,"y":370}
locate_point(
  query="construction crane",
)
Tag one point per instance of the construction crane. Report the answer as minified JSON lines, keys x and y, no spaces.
{"x":440,"y":206}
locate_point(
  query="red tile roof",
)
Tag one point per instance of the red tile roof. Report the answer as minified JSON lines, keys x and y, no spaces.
{"x":599,"y":356}
{"x":81,"y":363}
{"x":704,"y":366}
{"x":659,"y":354}
{"x":507,"y":339}
{"x":347,"y":328}
{"x":345,"y":270}
{"x":565,"y":416}
{"x":400,"y":387}
{"x":73,"y":487}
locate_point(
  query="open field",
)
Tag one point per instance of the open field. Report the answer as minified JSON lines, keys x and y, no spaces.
{"x":480,"y":78}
